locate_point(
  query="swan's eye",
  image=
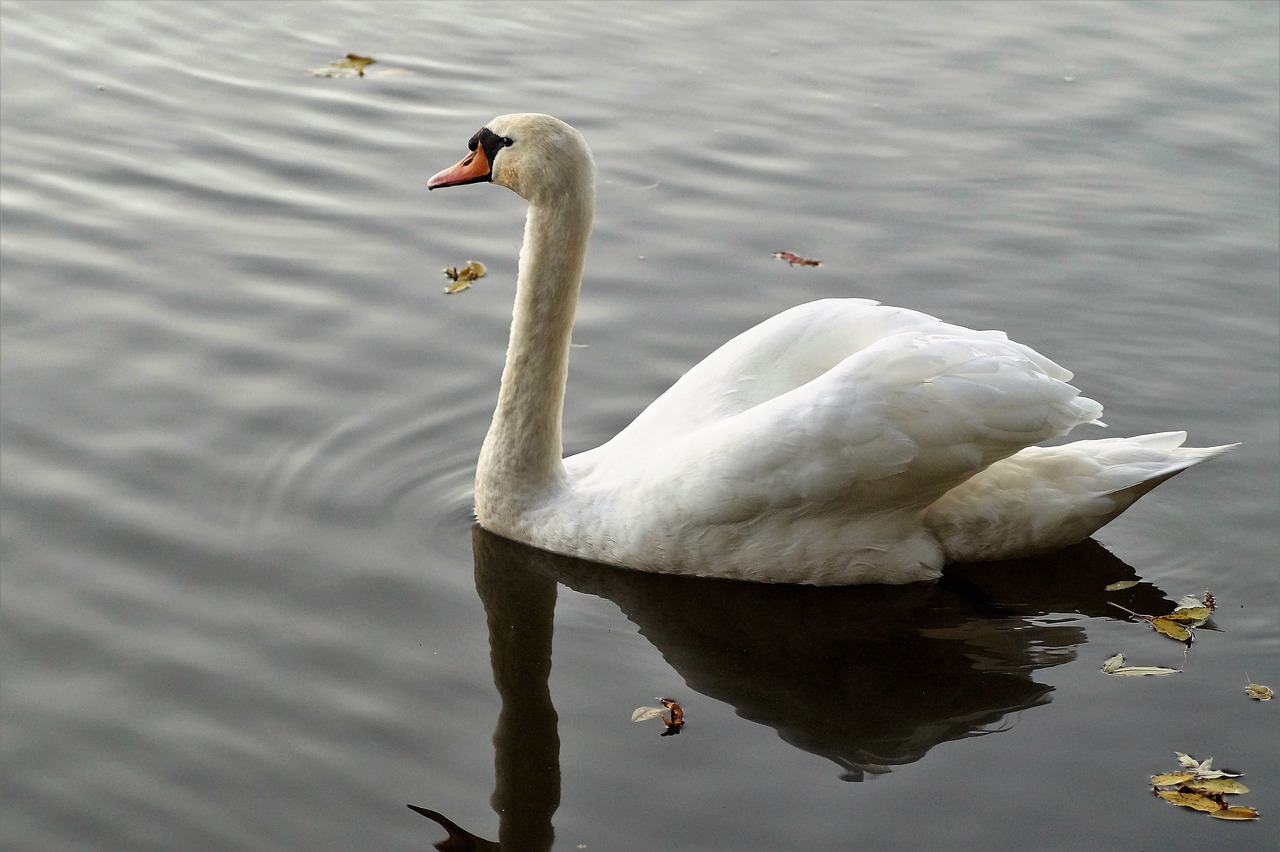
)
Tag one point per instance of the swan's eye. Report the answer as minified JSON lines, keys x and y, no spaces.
{"x":507,"y":141}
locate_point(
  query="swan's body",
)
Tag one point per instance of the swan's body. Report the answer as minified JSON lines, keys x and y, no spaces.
{"x":839,"y":442}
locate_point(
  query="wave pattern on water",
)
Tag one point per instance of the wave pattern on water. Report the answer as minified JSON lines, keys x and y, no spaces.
{"x":240,"y":418}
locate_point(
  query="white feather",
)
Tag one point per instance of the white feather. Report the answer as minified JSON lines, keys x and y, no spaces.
{"x":842,"y":441}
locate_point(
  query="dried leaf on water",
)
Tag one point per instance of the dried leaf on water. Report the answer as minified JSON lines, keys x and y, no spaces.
{"x":795,"y":259}
{"x":672,"y":724}
{"x":1172,"y":629}
{"x":463,"y":276}
{"x":1144,"y":671}
{"x":1234,"y":813}
{"x":1115,"y":666}
{"x":1203,"y":768}
{"x":354,"y":60}
{"x":1258,"y":692}
{"x":1193,"y":611}
{"x":1189,"y":800}
{"x":351,"y":65}
{"x":1120,"y":586}
{"x":676,"y":722}
{"x":1201,"y":787}
{"x":1171,"y":779}
{"x":1216,"y":785}
{"x":1181,"y":623}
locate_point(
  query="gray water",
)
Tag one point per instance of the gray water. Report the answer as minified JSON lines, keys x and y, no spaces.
{"x":243,"y":603}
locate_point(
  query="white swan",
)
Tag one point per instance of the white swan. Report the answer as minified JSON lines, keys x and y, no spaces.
{"x":840,"y":442}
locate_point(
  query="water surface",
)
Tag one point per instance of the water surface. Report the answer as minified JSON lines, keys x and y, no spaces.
{"x":244,"y":605}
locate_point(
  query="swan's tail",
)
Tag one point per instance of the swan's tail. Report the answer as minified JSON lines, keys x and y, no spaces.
{"x":1045,"y":498}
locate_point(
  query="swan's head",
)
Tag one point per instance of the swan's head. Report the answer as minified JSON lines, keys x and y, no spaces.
{"x":533,"y":155}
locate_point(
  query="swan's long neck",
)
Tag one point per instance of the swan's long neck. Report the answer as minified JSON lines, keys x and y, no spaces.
{"x":521,"y":456}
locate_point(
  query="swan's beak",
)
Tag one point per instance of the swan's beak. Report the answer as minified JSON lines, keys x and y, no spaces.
{"x":474,"y":168}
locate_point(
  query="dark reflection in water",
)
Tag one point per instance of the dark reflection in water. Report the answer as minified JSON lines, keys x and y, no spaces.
{"x":870,"y":677}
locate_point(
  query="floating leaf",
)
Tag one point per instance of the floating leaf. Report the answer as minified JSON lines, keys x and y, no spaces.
{"x":1193,"y":611}
{"x":1207,"y":601}
{"x":1189,"y":800}
{"x":1115,"y":666}
{"x":644,"y":714}
{"x":1234,"y":813}
{"x":1143,"y":671}
{"x":1120,"y":586}
{"x":1180,"y":623}
{"x":1203,"y":768}
{"x":1110,"y":664}
{"x":1172,"y":629}
{"x":1216,"y":785}
{"x":1171,"y":779}
{"x":795,"y":259}
{"x":1202,"y":788}
{"x":351,"y":65}
{"x":353,"y":60}
{"x":673,"y":724}
{"x":1191,"y":616}
{"x":1258,"y":692}
{"x":463,"y":276}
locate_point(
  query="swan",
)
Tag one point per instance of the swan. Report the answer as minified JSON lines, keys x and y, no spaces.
{"x":840,"y":442}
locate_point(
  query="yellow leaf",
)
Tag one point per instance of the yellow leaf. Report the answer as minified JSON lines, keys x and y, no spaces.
{"x":1258,"y":692}
{"x":1169,"y":779}
{"x":1189,"y":800}
{"x":1192,"y":615}
{"x":1234,"y":813}
{"x":457,"y":286}
{"x":1215,"y":785}
{"x":1172,"y":629}
{"x":1122,"y":584}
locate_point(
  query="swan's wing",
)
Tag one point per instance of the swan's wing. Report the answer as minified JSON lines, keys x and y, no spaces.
{"x":909,"y":408}
{"x":776,"y":356}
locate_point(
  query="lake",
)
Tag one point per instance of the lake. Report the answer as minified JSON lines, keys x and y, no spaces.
{"x":244,"y":602}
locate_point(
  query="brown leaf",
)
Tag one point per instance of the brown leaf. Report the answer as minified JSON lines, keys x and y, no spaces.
{"x":795,"y":259}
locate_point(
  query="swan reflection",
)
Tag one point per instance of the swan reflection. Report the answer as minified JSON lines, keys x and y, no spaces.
{"x":868,"y":677}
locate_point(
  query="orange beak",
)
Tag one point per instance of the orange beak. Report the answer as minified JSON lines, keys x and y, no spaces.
{"x":474,"y":168}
